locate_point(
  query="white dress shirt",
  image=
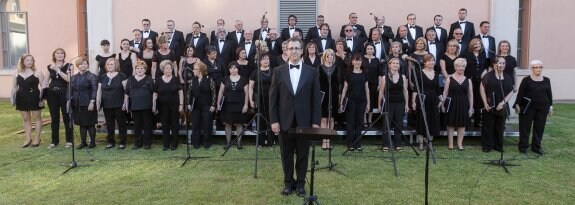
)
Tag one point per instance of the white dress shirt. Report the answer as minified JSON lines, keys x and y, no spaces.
{"x":294,"y":75}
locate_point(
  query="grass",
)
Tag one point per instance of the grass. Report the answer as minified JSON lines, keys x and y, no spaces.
{"x":33,"y":175}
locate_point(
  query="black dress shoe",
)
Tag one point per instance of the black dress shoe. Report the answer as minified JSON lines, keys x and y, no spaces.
{"x":174,"y":148}
{"x":541,"y":152}
{"x":523,"y":151}
{"x":300,"y":192}
{"x":287,"y":190}
{"x":81,"y":146}
{"x":165,"y":149}
{"x":486,"y":150}
{"x":148,"y":147}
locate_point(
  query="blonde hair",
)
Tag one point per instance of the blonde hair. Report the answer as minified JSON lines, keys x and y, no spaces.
{"x":80,"y":60}
{"x":116,"y":63}
{"x":424,"y":42}
{"x":326,"y":54}
{"x":21,"y":66}
{"x":201,"y":67}
{"x":164,"y":63}
{"x":460,"y":61}
{"x":141,"y":63}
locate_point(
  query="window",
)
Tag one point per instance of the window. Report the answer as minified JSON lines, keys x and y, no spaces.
{"x":13,"y":33}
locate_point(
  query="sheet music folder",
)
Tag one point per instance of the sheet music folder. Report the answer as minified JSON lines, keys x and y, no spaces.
{"x":313,"y":133}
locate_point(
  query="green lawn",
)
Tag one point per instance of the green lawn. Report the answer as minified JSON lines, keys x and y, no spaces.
{"x":33,"y":175}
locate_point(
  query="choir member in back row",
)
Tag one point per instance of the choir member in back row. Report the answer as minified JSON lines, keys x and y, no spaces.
{"x":197,"y":40}
{"x":355,"y":101}
{"x":138,"y":96}
{"x":56,"y":96}
{"x":393,"y":97}
{"x":288,"y":32}
{"x":110,"y":97}
{"x":233,"y":103}
{"x":225,"y":48}
{"x":330,"y":77}
{"x":103,"y":57}
{"x":147,"y":55}
{"x":310,"y":56}
{"x":84,"y":85}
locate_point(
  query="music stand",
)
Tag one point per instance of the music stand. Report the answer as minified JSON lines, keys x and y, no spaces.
{"x":312,"y":134}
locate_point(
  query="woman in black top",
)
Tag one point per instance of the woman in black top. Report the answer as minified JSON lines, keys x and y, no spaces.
{"x":447,"y":59}
{"x":110,"y":97}
{"x":215,"y":69}
{"x":202,"y":104}
{"x":147,"y":54}
{"x":56,"y":96}
{"x":233,"y":92}
{"x":342,"y":56}
{"x":84,"y":85}
{"x":27,"y":89}
{"x":138,"y":96}
{"x":262,"y":103}
{"x":310,"y":56}
{"x":458,"y":103}
{"x":504,"y":50}
{"x":395,"y":52}
{"x":162,"y":54}
{"x":170,"y":101}
{"x":242,"y":63}
{"x":418,"y":54}
{"x":393,"y":91}
{"x":355,"y":101}
{"x":374,"y":71}
{"x":104,"y":56}
{"x":283,"y":58}
{"x":186,"y":74}
{"x":534,"y":102}
{"x":496,"y":90}
{"x":126,"y":58}
{"x":428,"y":84}
{"x":475,"y":69}
{"x":329,"y":74}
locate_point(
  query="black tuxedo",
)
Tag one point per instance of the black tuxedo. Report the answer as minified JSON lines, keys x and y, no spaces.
{"x":228,"y":52}
{"x":251,"y":55}
{"x":277,"y":48}
{"x":290,"y":109}
{"x":491,"y":49}
{"x":362,"y":35}
{"x":140,"y":46}
{"x":357,"y":46}
{"x":152,"y":35}
{"x":329,"y":43}
{"x":384,"y":50}
{"x":386,"y":36}
{"x":407,"y":48}
{"x":232,"y":36}
{"x":285,"y":33}
{"x":468,"y":34}
{"x":178,"y":43}
{"x":441,"y":38}
{"x":200,"y":46}
{"x":418,"y":32}
{"x":258,"y":34}
{"x":463,"y":48}
{"x":213,"y":36}
{"x":439,"y":50}
{"x":313,"y":33}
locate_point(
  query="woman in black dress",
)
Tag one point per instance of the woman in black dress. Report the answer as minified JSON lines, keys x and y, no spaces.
{"x":395,"y":52}
{"x":202,"y":103}
{"x":147,"y":54}
{"x":263,"y":102}
{"x":418,"y":54}
{"x":169,"y":102}
{"x":428,"y":84}
{"x":215,"y":69}
{"x":534,"y":102}
{"x":342,"y":56}
{"x":27,"y":91}
{"x":126,"y":58}
{"x":242,"y":63}
{"x":310,"y":56}
{"x":355,"y":101}
{"x":476,"y":67}
{"x":162,"y":54}
{"x":186,"y":74}
{"x":84,"y":85}
{"x":56,"y":97}
{"x":329,"y":73}
{"x":447,"y":59}
{"x":496,"y":90}
{"x":504,"y":50}
{"x":110,"y":97}
{"x":393,"y":91}
{"x":233,"y":92}
{"x":458,"y":103}
{"x":104,"y":56}
{"x":283,"y":58}
{"x":138,"y":96}
{"x":374,"y":71}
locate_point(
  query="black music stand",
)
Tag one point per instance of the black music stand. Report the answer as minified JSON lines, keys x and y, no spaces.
{"x":312,"y":134}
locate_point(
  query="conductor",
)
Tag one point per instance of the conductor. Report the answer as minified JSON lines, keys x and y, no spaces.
{"x":295,"y":101}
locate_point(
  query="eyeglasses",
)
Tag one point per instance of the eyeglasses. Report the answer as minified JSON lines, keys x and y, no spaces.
{"x":537,"y":67}
{"x":294,"y":48}
{"x":348,"y":30}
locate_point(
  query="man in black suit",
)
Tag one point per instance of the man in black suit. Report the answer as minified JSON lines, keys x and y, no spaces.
{"x":441,"y":33}
{"x":386,"y":32}
{"x":249,"y":45}
{"x":354,"y":45}
{"x":226,"y":48}
{"x":467,"y":27}
{"x":433,"y":47}
{"x":324,"y":41}
{"x":381,"y":49}
{"x":147,"y":32}
{"x":274,"y":43}
{"x":137,"y":44}
{"x":487,"y":40}
{"x":214,"y":35}
{"x":198,"y":41}
{"x":238,"y":34}
{"x":407,"y":43}
{"x":315,"y":32}
{"x":413,"y":31}
{"x":458,"y":34}
{"x":177,"y":42}
{"x":295,"y":101}
{"x":359,"y":30}
{"x":287,"y":33}
{"x":262,"y":32}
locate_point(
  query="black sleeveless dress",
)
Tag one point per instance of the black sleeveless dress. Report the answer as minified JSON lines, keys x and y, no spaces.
{"x":28,"y":94}
{"x":430,"y":89}
{"x":126,"y":66}
{"x":458,"y":112}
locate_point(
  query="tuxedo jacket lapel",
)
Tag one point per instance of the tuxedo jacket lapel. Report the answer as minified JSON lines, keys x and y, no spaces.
{"x":286,"y":78}
{"x":302,"y":78}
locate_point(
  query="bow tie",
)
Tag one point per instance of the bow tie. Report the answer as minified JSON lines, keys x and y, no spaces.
{"x":323,"y":39}
{"x":349,"y":39}
{"x":196,"y":37}
{"x":146,"y":31}
{"x":238,"y":31}
{"x":136,"y":42}
{"x":265,"y":29}
{"x":375,"y":43}
{"x":411,"y":26}
{"x":405,"y":39}
{"x":222,"y":40}
{"x":248,"y":42}
{"x":431,"y":42}
{"x":291,"y":28}
{"x":461,"y":22}
{"x":293,"y":66}
{"x":484,"y":36}
{"x":438,"y":27}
